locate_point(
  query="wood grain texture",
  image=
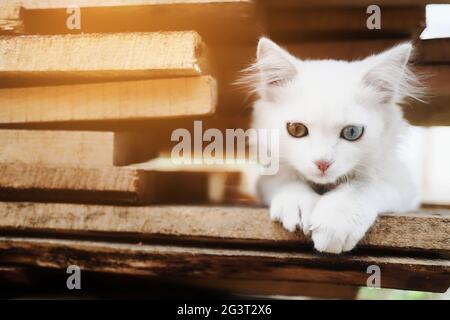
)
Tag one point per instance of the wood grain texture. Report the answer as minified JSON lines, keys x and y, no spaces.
{"x":71,"y":148}
{"x":208,"y":263}
{"x":415,"y":231}
{"x":112,"y":185}
{"x":143,"y":99}
{"x":10,"y":19}
{"x":102,"y":55}
{"x":69,"y":184}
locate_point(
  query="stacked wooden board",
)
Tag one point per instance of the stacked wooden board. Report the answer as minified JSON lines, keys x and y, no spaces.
{"x":78,"y":107}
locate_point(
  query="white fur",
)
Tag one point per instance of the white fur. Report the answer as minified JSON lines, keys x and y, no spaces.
{"x":327,"y":95}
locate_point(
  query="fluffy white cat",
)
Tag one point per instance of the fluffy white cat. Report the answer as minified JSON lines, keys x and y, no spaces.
{"x":343,"y":154}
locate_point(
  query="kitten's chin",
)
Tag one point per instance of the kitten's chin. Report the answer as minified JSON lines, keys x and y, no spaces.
{"x":322,"y":179}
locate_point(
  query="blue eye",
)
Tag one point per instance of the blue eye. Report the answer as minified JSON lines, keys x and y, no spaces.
{"x":352,"y":133}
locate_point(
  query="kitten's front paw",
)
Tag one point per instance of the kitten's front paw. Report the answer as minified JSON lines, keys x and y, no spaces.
{"x":293,"y":209}
{"x":338,"y":223}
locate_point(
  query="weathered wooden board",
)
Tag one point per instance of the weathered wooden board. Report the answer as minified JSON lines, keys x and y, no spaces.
{"x":234,"y":20}
{"x":113,"y":185}
{"x":71,"y":148}
{"x":207,"y":263}
{"x":415,"y":231}
{"x":69,"y":184}
{"x":142,"y":99}
{"x":151,"y":54}
{"x":10,"y":19}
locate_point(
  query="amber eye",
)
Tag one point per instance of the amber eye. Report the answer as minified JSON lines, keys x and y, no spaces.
{"x":297,"y":129}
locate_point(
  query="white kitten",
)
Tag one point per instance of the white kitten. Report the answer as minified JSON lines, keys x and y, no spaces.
{"x":342,"y":141}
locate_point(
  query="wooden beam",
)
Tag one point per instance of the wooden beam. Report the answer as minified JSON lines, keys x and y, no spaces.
{"x":343,"y":23}
{"x":427,"y":231}
{"x":143,"y":99}
{"x":344,"y":3}
{"x":71,"y":148}
{"x":341,"y":50}
{"x":209,"y":263}
{"x":435,"y":109}
{"x":149,"y":54}
{"x":262,"y":287}
{"x":10,"y":19}
{"x":113,"y":185}
{"x":234,"y":20}
{"x":434,"y":50}
{"x":69,"y":184}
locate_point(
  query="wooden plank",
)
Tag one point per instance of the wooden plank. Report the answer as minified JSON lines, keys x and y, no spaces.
{"x":155,"y":98}
{"x":345,"y":3}
{"x":69,"y":184}
{"x":341,"y":50}
{"x":234,"y":20}
{"x":10,"y":19}
{"x":426,"y":231}
{"x":71,"y":148}
{"x":208,"y":263}
{"x":434,"y":50}
{"x":281,"y":289}
{"x":435,"y":110}
{"x":113,"y":185}
{"x":343,"y":22}
{"x":149,"y":54}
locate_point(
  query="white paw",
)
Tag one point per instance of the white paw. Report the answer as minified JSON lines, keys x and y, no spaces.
{"x":338,"y":224}
{"x":293,"y":209}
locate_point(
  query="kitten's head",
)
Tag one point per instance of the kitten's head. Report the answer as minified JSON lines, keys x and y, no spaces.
{"x":333,"y":117}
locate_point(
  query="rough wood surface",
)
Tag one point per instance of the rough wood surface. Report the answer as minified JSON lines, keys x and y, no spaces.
{"x":98,"y":185}
{"x":154,"y":98}
{"x":112,"y":185}
{"x":152,"y":54}
{"x":209,"y":263}
{"x":10,"y":19}
{"x":71,"y":148}
{"x":415,"y":231}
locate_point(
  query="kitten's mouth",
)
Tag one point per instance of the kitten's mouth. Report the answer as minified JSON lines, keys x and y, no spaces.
{"x":322,"y":188}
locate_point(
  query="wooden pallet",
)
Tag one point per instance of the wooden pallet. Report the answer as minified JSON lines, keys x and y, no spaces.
{"x":235,"y":243}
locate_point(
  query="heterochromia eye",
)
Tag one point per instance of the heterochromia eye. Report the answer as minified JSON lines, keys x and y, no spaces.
{"x":352,"y":133}
{"x":297,"y":129}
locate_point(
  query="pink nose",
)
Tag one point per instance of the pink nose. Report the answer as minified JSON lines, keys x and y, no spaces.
{"x":322,"y":165}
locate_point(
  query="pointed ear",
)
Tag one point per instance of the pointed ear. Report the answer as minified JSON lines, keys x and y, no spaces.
{"x":275,"y":65}
{"x":389,"y":74}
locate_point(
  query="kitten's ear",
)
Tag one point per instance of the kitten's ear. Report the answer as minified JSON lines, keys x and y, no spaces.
{"x":274,"y":66}
{"x":389,"y":74}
